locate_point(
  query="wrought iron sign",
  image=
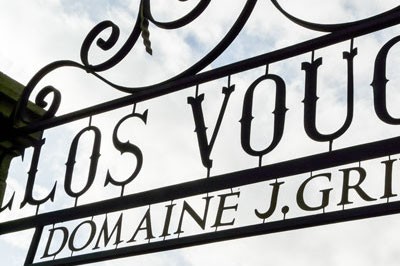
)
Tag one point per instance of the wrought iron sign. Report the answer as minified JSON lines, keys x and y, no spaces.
{"x":164,"y":215}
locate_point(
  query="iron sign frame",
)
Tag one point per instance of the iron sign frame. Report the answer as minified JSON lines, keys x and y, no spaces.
{"x":216,"y":183}
{"x":191,"y":77}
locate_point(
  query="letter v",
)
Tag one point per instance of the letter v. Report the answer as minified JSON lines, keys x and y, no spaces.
{"x":205,"y":146}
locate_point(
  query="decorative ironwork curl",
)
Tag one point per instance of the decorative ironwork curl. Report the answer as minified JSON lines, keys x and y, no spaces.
{"x":141,"y":29}
{"x":113,"y":37}
{"x":103,"y":44}
{"x":41,"y":102}
{"x":185,"y":20}
{"x":20,"y":112}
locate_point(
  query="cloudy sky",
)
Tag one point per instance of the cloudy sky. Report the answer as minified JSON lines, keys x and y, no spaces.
{"x":36,"y":33}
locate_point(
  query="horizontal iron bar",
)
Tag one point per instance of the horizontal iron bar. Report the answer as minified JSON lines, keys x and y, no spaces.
{"x":201,"y":186}
{"x":234,"y":68}
{"x":234,"y":233}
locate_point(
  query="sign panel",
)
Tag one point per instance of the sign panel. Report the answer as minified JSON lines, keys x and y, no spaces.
{"x":284,"y":203}
{"x":120,"y":188}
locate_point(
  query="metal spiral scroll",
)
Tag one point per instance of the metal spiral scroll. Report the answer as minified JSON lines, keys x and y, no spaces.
{"x":140,"y":28}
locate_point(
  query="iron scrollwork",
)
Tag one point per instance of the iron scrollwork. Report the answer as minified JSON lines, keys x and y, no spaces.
{"x":141,"y":28}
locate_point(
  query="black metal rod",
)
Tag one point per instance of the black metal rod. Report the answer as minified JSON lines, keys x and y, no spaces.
{"x":241,"y":66}
{"x":34,"y":245}
{"x":217,"y":183}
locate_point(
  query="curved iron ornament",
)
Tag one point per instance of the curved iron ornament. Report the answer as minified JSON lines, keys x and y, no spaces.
{"x":141,"y":29}
{"x":140,"y":26}
{"x":125,"y":49}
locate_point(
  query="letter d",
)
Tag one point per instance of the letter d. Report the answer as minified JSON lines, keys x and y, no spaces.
{"x":64,"y":231}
